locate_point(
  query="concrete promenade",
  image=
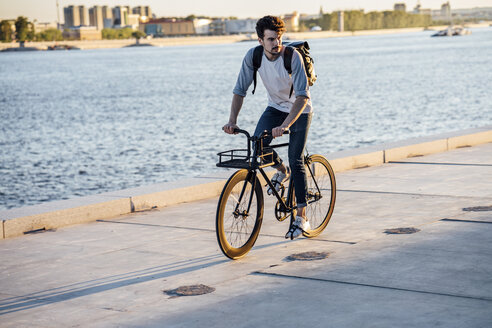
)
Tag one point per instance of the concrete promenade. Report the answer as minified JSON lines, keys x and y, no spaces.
{"x":113,"y":273}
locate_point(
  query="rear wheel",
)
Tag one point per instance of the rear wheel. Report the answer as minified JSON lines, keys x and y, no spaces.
{"x":321,"y":194}
{"x":239,"y":214}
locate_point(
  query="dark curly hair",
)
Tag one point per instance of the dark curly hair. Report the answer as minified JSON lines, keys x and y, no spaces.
{"x":270,"y":23}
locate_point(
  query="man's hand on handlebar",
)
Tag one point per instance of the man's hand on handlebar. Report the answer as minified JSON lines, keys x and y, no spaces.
{"x":279,"y":131}
{"x":229,"y":128}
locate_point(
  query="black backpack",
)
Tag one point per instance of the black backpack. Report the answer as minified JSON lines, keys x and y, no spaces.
{"x":302,"y":47}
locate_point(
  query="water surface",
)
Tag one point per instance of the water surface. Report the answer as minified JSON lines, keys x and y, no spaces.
{"x":75,"y":123}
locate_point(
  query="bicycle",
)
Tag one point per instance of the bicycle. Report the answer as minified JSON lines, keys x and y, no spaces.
{"x":240,"y":207}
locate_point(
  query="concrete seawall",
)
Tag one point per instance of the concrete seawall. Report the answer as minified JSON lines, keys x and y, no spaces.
{"x":52,"y":215}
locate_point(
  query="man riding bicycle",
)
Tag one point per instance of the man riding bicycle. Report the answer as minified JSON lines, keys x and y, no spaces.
{"x":285,"y":111}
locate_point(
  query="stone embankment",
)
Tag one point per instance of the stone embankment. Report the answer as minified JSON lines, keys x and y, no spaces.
{"x":52,"y":215}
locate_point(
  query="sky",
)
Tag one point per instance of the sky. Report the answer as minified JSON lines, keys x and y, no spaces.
{"x":45,"y":10}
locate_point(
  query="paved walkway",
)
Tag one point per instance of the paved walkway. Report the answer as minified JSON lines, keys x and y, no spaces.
{"x":113,"y":273}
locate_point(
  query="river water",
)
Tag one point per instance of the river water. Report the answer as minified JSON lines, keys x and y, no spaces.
{"x":76,"y":123}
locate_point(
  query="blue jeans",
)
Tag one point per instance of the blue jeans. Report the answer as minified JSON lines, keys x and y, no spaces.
{"x":272,"y":118}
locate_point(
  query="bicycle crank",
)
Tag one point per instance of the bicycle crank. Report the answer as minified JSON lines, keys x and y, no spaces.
{"x":280,"y":212}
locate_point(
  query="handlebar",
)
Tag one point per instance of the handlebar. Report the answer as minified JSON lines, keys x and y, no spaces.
{"x":264,"y":134}
{"x":243,"y":132}
{"x":257,"y":140}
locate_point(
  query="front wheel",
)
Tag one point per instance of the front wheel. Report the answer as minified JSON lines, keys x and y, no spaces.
{"x":239,"y":214}
{"x":321,"y":193}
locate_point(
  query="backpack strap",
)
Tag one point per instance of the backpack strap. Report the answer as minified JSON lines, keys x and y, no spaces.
{"x":288,"y":58}
{"x":257,"y":55}
{"x":288,"y":64}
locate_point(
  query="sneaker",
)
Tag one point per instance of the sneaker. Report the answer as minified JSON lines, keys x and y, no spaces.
{"x":278,"y":179}
{"x":299,"y":226}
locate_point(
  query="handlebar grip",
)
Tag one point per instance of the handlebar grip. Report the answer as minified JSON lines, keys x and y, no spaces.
{"x":269,"y":133}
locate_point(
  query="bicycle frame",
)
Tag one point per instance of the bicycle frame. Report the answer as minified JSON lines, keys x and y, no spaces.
{"x":285,"y":205}
{"x":252,"y":162}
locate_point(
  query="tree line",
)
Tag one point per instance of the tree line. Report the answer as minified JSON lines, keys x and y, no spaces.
{"x":24,"y":31}
{"x":356,"y":20}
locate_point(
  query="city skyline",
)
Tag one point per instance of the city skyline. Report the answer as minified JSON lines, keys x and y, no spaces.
{"x":46,"y":11}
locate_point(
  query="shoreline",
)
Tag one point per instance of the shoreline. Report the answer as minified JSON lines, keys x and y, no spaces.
{"x":52,"y":215}
{"x":203,"y":40}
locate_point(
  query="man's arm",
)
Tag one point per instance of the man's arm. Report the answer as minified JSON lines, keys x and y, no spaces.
{"x":294,"y":114}
{"x":244,"y":80}
{"x":237,"y":103}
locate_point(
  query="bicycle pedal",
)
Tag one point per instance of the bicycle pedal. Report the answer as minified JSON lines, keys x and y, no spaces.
{"x":280,"y":189}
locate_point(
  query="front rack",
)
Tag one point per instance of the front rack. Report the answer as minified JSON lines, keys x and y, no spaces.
{"x":242,"y":158}
{"x":239,"y":159}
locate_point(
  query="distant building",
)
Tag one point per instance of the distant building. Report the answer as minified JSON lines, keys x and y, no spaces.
{"x":144,"y":12}
{"x":120,"y":16}
{"x":96,"y":17}
{"x":202,"y":26}
{"x":107,"y":14}
{"x":128,"y":9}
{"x":484,"y":13}
{"x":83,"y":33}
{"x":218,"y":27}
{"x":425,"y":12}
{"x":291,"y":22}
{"x":443,"y":14}
{"x":420,"y":11}
{"x":341,"y":23}
{"x":400,"y":7}
{"x":76,"y":16}
{"x":41,"y":27}
{"x":240,"y":26}
{"x":305,"y":17}
{"x":168,"y":27}
{"x":133,"y":21}
{"x":84,"y":16}
{"x":446,"y":10}
{"x":72,"y":16}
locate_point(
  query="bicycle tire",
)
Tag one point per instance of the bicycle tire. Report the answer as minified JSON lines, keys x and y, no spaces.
{"x":319,"y":211}
{"x":237,"y":233}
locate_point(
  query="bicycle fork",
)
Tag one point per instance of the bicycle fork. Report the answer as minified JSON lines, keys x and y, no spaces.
{"x":251,"y":177}
{"x":317,"y":196}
